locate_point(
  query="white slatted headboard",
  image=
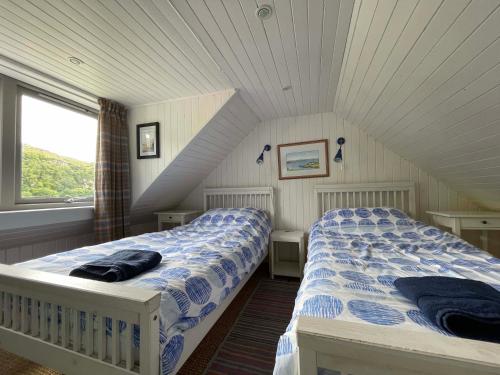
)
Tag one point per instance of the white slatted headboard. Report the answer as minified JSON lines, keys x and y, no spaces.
{"x":257,"y":197}
{"x":399,"y":195}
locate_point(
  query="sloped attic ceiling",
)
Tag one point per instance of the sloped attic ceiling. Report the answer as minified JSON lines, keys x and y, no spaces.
{"x":135,"y":52}
{"x":226,"y":128}
{"x":142,"y":51}
{"x":424,"y":79}
{"x":300,"y":47}
{"x":420,"y":76}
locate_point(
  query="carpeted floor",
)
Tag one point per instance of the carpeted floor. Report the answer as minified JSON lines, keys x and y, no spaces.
{"x":11,"y":364}
{"x":242,"y":342}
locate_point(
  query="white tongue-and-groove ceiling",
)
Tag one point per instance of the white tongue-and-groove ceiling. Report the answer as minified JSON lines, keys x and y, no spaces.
{"x":132,"y":51}
{"x":300,"y":47}
{"x":423,"y":77}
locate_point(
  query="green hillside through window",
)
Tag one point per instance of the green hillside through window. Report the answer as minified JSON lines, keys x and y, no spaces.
{"x":48,"y":175}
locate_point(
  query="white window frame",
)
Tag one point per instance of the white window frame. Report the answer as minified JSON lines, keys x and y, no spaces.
{"x":64,"y":103}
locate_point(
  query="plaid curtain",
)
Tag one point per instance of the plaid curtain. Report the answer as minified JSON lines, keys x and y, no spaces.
{"x":112,"y":178}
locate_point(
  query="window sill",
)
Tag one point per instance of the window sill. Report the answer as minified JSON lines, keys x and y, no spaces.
{"x":37,"y":217}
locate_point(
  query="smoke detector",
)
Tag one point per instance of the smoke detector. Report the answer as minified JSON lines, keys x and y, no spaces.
{"x":264,"y":12}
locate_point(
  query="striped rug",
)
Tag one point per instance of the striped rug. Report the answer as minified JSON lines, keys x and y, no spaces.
{"x":250,"y":346}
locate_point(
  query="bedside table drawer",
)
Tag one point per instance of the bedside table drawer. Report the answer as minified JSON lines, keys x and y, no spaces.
{"x":474,"y":223}
{"x":170,"y":218}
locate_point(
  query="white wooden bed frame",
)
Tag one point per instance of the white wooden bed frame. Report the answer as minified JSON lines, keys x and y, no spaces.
{"x":348,"y":348}
{"x":29,"y":335}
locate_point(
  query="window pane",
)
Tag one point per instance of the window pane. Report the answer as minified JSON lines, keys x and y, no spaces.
{"x":58,"y":151}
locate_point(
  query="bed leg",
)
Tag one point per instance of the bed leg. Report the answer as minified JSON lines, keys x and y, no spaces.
{"x":271,"y":258}
{"x":307,"y":361}
{"x":149,"y":343}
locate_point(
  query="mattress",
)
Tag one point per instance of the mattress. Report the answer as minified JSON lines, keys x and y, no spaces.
{"x":354,"y":256}
{"x":203,"y":262}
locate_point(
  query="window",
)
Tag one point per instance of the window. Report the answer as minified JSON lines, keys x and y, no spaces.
{"x":56,"y":150}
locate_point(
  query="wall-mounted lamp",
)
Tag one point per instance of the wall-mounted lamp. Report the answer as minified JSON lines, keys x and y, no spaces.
{"x":338,"y":155}
{"x":260,"y":159}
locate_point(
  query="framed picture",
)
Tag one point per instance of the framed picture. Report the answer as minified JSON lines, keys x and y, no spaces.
{"x":303,"y":160}
{"x":148,"y":140}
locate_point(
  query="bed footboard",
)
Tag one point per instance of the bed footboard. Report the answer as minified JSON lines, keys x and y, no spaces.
{"x":46,"y":318}
{"x":343,"y":348}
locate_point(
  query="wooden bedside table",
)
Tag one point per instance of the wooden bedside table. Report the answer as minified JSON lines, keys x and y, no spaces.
{"x":287,"y":268}
{"x":176,"y":217}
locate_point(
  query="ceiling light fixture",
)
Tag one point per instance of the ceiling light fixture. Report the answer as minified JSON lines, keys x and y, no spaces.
{"x":75,"y":60}
{"x":264,"y":12}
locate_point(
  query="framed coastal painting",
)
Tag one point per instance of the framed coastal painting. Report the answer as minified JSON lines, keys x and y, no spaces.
{"x":303,"y":160}
{"x":148,"y":140}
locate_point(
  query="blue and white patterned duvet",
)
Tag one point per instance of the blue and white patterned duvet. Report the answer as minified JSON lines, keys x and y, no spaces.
{"x":203,"y":262}
{"x":354,"y":255}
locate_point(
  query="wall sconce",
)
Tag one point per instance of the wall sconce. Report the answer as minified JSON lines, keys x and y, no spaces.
{"x":260,"y":159}
{"x":338,"y":155}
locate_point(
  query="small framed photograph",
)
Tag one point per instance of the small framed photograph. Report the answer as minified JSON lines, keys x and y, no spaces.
{"x":303,"y":160}
{"x":148,"y":140}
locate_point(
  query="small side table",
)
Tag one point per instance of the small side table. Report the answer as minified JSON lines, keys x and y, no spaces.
{"x":468,"y":220}
{"x":282,"y":267}
{"x":176,"y":217}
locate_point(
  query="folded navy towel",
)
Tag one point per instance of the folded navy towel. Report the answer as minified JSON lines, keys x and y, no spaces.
{"x":465,"y":308}
{"x":122,"y":265}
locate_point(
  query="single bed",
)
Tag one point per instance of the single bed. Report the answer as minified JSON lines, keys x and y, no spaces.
{"x":348,"y":316}
{"x":151,"y":323}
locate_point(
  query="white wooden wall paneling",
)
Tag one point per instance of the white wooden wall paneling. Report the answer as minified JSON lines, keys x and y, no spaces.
{"x":366,"y":160}
{"x":44,"y":246}
{"x":179,"y":121}
{"x":37,"y":250}
{"x":201,"y":153}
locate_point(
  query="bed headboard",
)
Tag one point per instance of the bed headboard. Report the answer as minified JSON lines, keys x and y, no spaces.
{"x":399,"y":195}
{"x":257,"y":197}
